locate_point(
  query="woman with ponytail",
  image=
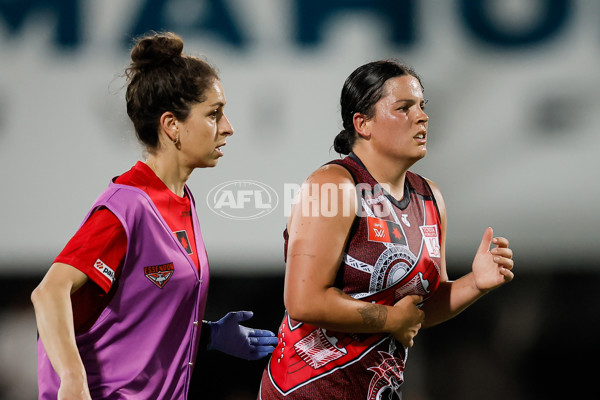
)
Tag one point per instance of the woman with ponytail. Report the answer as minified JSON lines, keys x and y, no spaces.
{"x":365,"y":252}
{"x":119,"y":312}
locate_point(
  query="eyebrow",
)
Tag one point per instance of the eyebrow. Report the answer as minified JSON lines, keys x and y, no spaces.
{"x":218,"y":103}
{"x":408,"y":100}
{"x":412,"y":101}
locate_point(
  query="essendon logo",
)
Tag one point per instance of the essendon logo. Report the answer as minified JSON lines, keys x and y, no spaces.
{"x":159,"y":274}
{"x":384,"y":231}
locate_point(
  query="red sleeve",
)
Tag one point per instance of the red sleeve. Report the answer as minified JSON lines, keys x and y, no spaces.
{"x":97,"y":249}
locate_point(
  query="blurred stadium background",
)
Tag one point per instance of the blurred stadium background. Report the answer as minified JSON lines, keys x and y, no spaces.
{"x":513,"y":144}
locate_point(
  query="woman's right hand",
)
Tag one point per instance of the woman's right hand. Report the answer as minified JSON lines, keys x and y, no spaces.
{"x":409,"y":318}
{"x":73,"y":389}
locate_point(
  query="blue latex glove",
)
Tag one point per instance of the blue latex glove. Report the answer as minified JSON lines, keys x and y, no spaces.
{"x":228,"y":336}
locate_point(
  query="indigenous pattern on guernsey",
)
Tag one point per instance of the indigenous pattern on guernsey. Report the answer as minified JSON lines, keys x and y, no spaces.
{"x":393,"y":251}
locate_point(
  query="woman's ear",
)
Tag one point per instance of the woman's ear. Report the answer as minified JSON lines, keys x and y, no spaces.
{"x":168,"y":124}
{"x":362,"y":125}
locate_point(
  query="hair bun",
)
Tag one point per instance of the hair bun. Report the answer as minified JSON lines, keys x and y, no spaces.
{"x":343,"y":142}
{"x":156,"y":49}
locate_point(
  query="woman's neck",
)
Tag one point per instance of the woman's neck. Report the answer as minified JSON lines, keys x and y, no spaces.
{"x":170,"y":172}
{"x":390,"y":174}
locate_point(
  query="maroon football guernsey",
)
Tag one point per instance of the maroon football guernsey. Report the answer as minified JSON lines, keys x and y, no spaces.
{"x":393,"y":251}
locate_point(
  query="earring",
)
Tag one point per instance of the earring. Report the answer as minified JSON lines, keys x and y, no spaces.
{"x":177,"y":143}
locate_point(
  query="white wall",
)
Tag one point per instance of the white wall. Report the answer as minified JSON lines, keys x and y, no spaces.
{"x":513,"y":130}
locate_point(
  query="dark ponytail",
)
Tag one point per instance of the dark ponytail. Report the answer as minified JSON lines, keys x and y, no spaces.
{"x":362,"y":89}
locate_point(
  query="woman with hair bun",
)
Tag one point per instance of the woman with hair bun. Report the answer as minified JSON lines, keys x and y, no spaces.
{"x":119,"y":312}
{"x":365,"y":252}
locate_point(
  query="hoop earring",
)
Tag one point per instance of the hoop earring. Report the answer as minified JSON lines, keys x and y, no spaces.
{"x":177,"y":143}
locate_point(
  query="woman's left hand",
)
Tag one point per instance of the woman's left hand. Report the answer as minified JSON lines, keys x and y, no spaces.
{"x":492,"y":268}
{"x":228,"y":336}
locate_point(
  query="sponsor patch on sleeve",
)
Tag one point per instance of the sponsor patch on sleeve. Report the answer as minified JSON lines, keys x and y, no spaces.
{"x":105,"y":270}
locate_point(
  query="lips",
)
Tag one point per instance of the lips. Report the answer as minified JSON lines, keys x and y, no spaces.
{"x":421,"y":137}
{"x":219,"y":148}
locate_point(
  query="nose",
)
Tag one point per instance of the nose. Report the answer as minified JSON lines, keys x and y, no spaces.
{"x":225,"y":127}
{"x":422,"y":117}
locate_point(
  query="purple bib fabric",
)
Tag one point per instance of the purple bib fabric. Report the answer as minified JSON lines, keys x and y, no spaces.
{"x":144,"y":344}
